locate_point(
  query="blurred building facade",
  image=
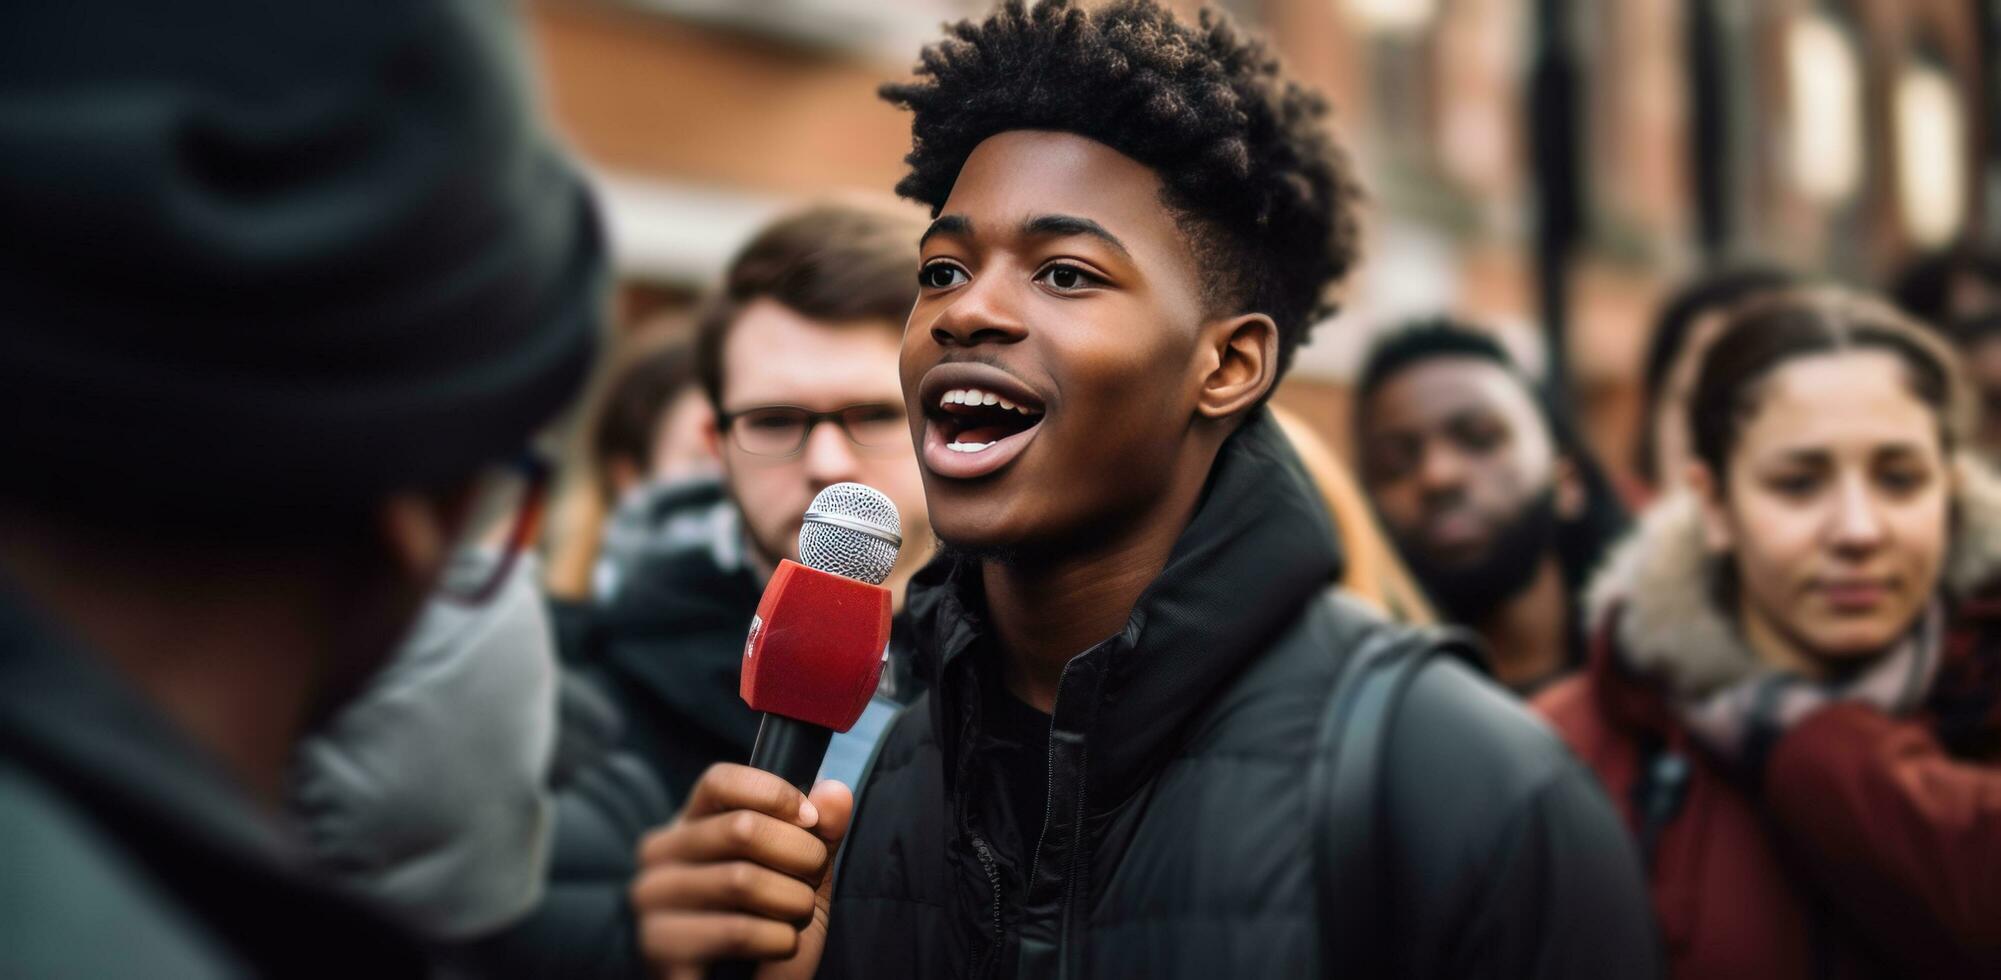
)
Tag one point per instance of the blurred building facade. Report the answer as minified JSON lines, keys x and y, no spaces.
{"x":1841,"y":137}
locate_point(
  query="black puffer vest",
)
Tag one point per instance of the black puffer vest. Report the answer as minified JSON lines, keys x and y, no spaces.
{"x":1176,"y":841}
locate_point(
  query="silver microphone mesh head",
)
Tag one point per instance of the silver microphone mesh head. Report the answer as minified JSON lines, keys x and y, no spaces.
{"x":851,"y":530}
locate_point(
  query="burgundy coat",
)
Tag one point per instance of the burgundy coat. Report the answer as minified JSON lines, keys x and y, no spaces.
{"x":1867,"y":846}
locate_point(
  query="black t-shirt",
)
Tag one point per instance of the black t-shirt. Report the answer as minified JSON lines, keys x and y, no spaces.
{"x":1017,"y":737}
{"x":1014,"y":758}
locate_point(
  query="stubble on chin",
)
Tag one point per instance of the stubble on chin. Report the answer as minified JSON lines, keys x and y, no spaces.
{"x":993,"y":554}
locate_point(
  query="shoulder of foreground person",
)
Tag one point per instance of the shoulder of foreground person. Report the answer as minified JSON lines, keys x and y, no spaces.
{"x":1512,"y":861}
{"x":1899,"y":834}
{"x":57,"y":873}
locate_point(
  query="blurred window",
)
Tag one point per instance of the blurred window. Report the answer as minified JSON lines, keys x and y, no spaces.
{"x":1824,"y":78}
{"x":1931,"y":153}
{"x":1393,"y":16}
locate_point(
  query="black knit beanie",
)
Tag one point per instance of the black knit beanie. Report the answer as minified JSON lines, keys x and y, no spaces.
{"x":257,"y":257}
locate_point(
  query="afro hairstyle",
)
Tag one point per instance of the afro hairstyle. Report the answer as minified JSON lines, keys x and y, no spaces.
{"x":1255,"y":181}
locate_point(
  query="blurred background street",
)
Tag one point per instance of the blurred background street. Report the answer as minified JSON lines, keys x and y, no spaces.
{"x":1840,"y":137}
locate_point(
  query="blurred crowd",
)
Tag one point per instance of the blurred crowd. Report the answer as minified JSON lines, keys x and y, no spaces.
{"x":372,"y":607}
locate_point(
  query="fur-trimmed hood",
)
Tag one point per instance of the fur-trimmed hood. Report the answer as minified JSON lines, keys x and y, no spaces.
{"x":1657,"y":580}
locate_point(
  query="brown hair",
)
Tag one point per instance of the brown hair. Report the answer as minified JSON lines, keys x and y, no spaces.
{"x":1768,"y":332}
{"x":834,"y":263}
{"x":643,"y":387}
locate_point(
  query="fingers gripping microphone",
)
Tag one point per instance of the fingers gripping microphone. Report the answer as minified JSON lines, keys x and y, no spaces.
{"x":817,"y":643}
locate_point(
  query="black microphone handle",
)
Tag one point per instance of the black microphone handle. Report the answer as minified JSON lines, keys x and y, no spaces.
{"x":790,"y":749}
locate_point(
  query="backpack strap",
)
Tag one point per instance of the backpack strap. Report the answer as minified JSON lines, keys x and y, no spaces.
{"x":1350,"y":826}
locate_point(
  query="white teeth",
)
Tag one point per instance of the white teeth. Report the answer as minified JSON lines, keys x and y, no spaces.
{"x":967,"y":447}
{"x":974,"y":396}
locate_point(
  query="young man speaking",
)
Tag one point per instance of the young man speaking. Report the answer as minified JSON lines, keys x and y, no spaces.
{"x":1130,"y":633}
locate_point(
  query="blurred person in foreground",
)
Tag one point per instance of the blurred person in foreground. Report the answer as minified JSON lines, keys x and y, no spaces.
{"x":1497,"y":506}
{"x":474,"y":791}
{"x":1132,"y":627}
{"x":797,"y":355}
{"x":1795,"y":687}
{"x":288,"y":288}
{"x":429,"y":792}
{"x":1688,"y":320}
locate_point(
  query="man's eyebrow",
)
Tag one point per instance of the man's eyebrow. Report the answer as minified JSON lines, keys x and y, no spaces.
{"x":1065,"y":225}
{"x":951,"y":224}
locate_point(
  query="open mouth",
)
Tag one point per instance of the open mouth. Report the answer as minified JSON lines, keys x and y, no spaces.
{"x":977,"y":420}
{"x":973,"y":420}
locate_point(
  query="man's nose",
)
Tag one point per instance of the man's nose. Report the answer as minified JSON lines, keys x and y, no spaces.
{"x":980,"y":312}
{"x":829,"y":455}
{"x":1440,"y":470}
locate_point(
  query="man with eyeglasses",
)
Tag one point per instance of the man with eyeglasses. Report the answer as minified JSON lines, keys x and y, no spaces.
{"x":797,"y":351}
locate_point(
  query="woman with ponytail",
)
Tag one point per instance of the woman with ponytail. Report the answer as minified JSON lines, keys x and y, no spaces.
{"x":1793,"y":682}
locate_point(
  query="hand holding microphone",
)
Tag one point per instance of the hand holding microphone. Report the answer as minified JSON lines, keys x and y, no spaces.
{"x":742,"y":872}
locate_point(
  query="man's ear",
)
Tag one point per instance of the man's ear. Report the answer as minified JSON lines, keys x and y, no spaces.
{"x":417,"y":530}
{"x":1701,"y":481}
{"x":712,"y":435}
{"x":1244,"y":366}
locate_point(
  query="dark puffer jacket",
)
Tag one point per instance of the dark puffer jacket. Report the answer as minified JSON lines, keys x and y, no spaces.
{"x":1177,"y":838}
{"x":668,"y":651}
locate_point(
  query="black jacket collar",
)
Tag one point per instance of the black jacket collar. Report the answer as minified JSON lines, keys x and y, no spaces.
{"x":1258,"y":549}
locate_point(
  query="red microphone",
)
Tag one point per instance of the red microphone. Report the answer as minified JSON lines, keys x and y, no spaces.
{"x":817,"y":644}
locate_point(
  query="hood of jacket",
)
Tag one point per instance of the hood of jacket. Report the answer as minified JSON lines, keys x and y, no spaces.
{"x":427,"y":794}
{"x":1258,"y":548}
{"x":658,"y":522}
{"x":675,"y":630}
{"x":1654,"y":591}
